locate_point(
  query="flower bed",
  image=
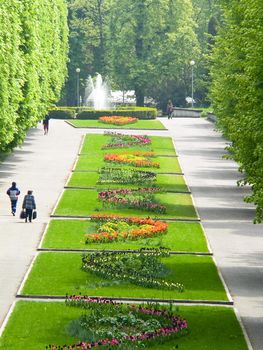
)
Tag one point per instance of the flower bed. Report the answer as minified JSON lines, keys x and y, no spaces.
{"x":122,"y":325}
{"x":142,"y":198}
{"x":125,"y":176}
{"x":138,"y":159}
{"x":122,"y":140}
{"x":118,"y":120}
{"x":114,"y":228}
{"x":143,"y":268}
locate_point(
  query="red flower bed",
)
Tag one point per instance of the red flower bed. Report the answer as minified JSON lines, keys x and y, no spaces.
{"x":118,"y":120}
{"x":146,"y":228}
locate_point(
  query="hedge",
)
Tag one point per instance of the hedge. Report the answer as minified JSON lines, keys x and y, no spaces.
{"x":138,"y":112}
{"x":62,"y":113}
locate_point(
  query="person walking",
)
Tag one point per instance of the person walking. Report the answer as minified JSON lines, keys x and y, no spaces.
{"x":29,"y":205}
{"x":13,"y":193}
{"x":169,"y":109}
{"x":46,"y":124}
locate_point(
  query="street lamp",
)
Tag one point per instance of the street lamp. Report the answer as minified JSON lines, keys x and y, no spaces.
{"x":192,"y":63}
{"x":77,"y":71}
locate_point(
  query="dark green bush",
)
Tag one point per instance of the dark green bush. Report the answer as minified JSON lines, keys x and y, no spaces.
{"x":138,"y":112}
{"x":61,"y":113}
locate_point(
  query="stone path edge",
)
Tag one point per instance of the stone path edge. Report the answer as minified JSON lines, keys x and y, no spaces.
{"x":94,"y":127}
{"x":153,"y":300}
{"x":102,"y":189}
{"x":88,"y":217}
{"x":117,"y":251}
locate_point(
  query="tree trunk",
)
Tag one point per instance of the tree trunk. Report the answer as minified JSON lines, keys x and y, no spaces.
{"x":139,"y":93}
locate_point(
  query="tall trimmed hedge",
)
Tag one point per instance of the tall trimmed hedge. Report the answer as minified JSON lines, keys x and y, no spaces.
{"x":138,"y":112}
{"x":33,"y":58}
{"x":237,"y":90}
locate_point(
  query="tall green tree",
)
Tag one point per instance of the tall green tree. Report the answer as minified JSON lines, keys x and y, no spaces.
{"x":237,"y":90}
{"x":87,"y":20}
{"x":149,"y":43}
{"x":33,"y":57}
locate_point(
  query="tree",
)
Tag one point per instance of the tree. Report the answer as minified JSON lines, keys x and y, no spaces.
{"x":149,"y":42}
{"x":33,"y":56}
{"x":87,"y":42}
{"x":237,"y":90}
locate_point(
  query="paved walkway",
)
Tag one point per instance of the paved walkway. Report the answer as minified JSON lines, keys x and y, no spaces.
{"x":44,"y":162}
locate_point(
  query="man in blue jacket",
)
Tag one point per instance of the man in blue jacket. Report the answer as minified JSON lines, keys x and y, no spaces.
{"x":13,"y":193}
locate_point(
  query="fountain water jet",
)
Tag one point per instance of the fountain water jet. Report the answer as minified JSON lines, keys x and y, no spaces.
{"x":97,"y":95}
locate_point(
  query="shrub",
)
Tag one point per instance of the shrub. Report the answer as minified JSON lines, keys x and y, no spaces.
{"x":137,"y":112}
{"x":61,"y":113}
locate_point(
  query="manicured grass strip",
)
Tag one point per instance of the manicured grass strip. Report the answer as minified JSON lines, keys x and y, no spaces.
{"x":70,"y":234}
{"x":209,"y":328}
{"x":95,"y":161}
{"x":160,"y":145}
{"x":85,"y":203}
{"x":60,"y":273}
{"x":172,"y":183}
{"x":140,"y":124}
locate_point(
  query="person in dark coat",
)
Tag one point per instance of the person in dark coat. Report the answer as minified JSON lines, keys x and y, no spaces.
{"x":169,"y":109}
{"x":13,"y":193}
{"x":46,"y":124}
{"x":29,"y":205}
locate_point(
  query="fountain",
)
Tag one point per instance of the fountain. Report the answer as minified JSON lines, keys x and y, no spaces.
{"x":97,"y":95}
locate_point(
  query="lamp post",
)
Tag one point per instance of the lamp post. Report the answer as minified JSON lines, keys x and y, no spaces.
{"x":192,"y":63}
{"x":77,"y":71}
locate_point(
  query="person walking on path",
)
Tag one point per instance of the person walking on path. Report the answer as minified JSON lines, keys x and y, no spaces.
{"x":29,"y":205}
{"x":46,"y":124}
{"x":13,"y":193}
{"x":169,"y":109}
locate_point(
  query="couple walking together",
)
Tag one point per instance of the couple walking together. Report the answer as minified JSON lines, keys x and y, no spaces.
{"x":29,"y":203}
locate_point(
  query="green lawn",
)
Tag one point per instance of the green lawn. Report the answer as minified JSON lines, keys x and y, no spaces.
{"x":75,"y":202}
{"x":61,"y":274}
{"x":210,"y":328}
{"x":160,"y":145}
{"x":166,"y":182}
{"x":141,"y":124}
{"x":69,"y":234}
{"x":95,"y":161}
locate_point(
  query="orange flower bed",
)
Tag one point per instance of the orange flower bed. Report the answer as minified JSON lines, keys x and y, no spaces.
{"x":146,"y":228}
{"x":138,"y":159}
{"x":118,"y":120}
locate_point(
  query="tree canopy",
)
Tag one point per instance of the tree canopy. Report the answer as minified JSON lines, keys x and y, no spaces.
{"x":33,"y":58}
{"x":237,"y":90}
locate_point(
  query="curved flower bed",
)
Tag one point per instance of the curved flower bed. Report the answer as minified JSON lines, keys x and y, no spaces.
{"x":148,"y":323}
{"x":138,"y":159}
{"x":122,"y":140}
{"x":114,"y":227}
{"x":142,"y":198}
{"x":142,"y":268}
{"x":118,"y":120}
{"x":125,"y":176}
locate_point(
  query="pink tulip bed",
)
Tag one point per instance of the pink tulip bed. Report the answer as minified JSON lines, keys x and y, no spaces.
{"x":142,"y":198}
{"x":123,"y":326}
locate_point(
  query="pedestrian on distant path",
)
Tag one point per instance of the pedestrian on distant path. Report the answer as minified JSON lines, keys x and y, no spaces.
{"x":29,"y":205}
{"x":13,"y":193}
{"x":169,"y":109}
{"x":46,"y":124}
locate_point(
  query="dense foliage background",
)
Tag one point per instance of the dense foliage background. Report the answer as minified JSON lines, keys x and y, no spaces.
{"x":142,"y":45}
{"x":237,"y":89}
{"x":33,"y":58}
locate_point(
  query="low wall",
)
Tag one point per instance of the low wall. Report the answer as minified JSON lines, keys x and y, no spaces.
{"x":185,"y":113}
